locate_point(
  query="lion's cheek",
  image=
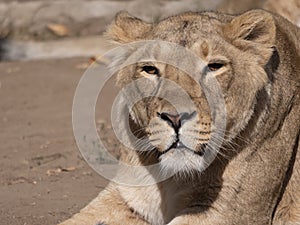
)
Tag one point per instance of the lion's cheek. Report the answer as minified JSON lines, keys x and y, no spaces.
{"x":237,"y":120}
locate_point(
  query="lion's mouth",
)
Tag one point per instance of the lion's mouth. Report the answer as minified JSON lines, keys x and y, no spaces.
{"x":178,"y":145}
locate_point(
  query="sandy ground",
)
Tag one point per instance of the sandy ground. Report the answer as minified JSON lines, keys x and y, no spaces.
{"x":43,"y":178}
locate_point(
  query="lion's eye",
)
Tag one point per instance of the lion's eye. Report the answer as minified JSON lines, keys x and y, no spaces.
{"x":150,"y":70}
{"x":215,"y":66}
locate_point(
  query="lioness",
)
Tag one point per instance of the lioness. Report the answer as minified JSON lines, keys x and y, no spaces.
{"x":255,"y":178}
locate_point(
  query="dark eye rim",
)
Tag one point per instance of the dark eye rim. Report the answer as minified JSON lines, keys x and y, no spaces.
{"x":215,"y":66}
{"x":152,"y":70}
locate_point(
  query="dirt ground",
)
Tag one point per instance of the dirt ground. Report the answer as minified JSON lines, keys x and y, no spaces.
{"x":43,"y":178}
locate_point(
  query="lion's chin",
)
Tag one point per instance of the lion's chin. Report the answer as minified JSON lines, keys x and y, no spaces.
{"x":183,"y":159}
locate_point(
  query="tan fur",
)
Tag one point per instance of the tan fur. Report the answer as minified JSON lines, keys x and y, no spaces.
{"x":255,"y":178}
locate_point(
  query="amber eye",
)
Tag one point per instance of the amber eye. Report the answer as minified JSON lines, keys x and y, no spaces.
{"x":215,"y":66}
{"x":150,"y":70}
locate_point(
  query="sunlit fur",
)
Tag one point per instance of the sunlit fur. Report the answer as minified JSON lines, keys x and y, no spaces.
{"x":254,"y":178}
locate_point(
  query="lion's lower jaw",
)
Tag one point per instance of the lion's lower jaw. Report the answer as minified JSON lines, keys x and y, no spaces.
{"x":181,"y":162}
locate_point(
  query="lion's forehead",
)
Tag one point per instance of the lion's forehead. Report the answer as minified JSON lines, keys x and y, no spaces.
{"x":187,"y":29}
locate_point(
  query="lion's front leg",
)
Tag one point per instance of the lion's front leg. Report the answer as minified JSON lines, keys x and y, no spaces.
{"x":185,"y":220}
{"x":196,"y":218}
{"x":108,"y":208}
{"x":288,"y":210}
{"x":196,"y":215}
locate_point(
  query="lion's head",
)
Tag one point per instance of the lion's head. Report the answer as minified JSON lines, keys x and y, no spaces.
{"x":235,"y":51}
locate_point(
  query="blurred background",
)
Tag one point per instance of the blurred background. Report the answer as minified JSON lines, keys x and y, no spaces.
{"x":45,"y":48}
{"x":68,"y":28}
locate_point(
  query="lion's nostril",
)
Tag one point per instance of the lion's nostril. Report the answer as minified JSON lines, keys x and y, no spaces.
{"x":187,"y":116}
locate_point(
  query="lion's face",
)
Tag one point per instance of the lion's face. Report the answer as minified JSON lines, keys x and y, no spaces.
{"x":234,"y":53}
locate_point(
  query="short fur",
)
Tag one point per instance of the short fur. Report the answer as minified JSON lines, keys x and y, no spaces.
{"x":255,"y":178}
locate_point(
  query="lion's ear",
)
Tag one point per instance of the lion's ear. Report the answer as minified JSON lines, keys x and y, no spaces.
{"x":255,"y":25}
{"x":127,"y":28}
{"x":253,"y":31}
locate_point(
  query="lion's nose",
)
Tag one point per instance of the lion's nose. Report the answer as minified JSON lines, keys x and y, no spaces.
{"x":173,"y":120}
{"x":176,"y":120}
